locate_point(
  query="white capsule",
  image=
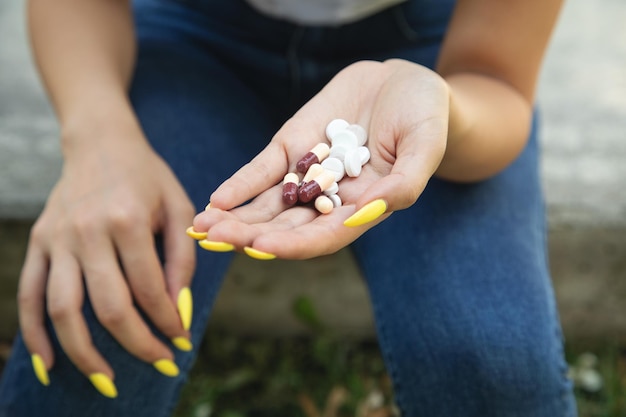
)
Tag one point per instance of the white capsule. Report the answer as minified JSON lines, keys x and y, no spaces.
{"x":323,"y":204}
{"x":335,"y":166}
{"x":364,"y":154}
{"x":335,"y":126}
{"x":336,"y":200}
{"x":360,"y":133}
{"x":333,"y":189}
{"x":352,"y":163}
{"x":346,"y":139}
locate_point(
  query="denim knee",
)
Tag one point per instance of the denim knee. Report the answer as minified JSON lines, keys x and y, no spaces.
{"x":475,"y":371}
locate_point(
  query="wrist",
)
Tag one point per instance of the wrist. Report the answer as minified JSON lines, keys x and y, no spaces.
{"x":92,"y":126}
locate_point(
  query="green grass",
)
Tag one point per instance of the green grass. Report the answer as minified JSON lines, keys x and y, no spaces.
{"x":284,"y":377}
{"x":610,"y":400}
{"x":323,"y":376}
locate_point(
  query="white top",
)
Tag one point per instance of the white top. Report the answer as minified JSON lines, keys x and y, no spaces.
{"x":321,"y":12}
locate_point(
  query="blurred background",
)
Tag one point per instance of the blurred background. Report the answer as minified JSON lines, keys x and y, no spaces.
{"x":292,"y":344}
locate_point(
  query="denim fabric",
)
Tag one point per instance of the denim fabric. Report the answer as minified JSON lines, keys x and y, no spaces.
{"x":463,"y":303}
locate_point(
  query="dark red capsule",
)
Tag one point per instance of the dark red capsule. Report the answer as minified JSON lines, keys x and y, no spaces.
{"x":314,"y":156}
{"x":306,"y":161}
{"x":309,"y":191}
{"x":290,"y":193}
{"x":313,"y":188}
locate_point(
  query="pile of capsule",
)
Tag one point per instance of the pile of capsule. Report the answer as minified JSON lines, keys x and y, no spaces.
{"x":324,"y":166}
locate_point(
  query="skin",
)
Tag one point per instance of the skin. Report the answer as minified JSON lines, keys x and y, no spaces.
{"x":464,"y":122}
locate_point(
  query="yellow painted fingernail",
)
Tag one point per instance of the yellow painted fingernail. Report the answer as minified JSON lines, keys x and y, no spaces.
{"x":258,"y":254}
{"x":216,"y":246}
{"x":166,"y":367}
{"x":367,"y":213}
{"x":208,"y":206}
{"x":195,"y":235}
{"x":40,"y":369}
{"x":182,"y":343}
{"x":103,"y":384}
{"x":185,"y":307}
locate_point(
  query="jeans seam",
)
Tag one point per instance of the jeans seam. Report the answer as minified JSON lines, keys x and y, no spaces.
{"x":388,"y":356}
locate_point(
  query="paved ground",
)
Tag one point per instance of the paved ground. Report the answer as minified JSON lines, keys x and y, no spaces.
{"x":583,"y":99}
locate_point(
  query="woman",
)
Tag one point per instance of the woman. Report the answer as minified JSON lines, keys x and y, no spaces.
{"x":160,"y":103}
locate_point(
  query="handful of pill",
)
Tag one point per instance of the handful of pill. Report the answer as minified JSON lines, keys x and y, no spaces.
{"x":324,"y":166}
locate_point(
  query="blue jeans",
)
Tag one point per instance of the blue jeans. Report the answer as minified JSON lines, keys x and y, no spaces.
{"x":463,"y":303}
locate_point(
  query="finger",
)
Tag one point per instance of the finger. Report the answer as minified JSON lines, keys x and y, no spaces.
{"x":264,"y":171}
{"x":112,"y":303}
{"x":180,"y":259}
{"x":31,"y":302}
{"x":323,"y":235}
{"x":65,"y":299}
{"x":242,"y":234}
{"x":146,"y":279}
{"x":262,"y":209}
{"x":418,"y":152}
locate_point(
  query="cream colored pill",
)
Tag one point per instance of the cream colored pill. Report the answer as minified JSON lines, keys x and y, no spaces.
{"x":314,"y":171}
{"x":336,"y":200}
{"x":333,"y":189}
{"x":360,"y":132}
{"x":336,"y":166}
{"x":335,"y":126}
{"x":352,"y":163}
{"x":324,"y":204}
{"x":364,"y":154}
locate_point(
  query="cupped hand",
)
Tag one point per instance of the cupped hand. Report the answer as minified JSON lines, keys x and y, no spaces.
{"x":96,"y":233}
{"x":403,"y":106}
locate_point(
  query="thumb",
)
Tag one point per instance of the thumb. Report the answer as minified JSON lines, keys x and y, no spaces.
{"x":418,"y":155}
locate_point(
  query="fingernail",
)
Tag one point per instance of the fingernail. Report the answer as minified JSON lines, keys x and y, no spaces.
{"x":195,"y":235}
{"x":40,"y":369}
{"x":208,"y":206}
{"x":367,"y":213}
{"x":216,"y":246}
{"x":166,"y":367}
{"x":258,"y":254}
{"x":103,"y":384}
{"x":185,"y":307}
{"x":182,"y":343}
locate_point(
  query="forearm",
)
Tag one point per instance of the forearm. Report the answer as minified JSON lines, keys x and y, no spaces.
{"x":491,"y":58}
{"x":85,"y":54}
{"x":488,"y":127}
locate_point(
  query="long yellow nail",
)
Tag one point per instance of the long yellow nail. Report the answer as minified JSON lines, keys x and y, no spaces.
{"x":182,"y":343}
{"x":367,"y":213}
{"x":258,"y":254}
{"x":216,"y":246}
{"x":185,"y":307}
{"x":103,"y":384}
{"x":40,"y":369}
{"x":166,"y":367}
{"x":195,"y":235}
